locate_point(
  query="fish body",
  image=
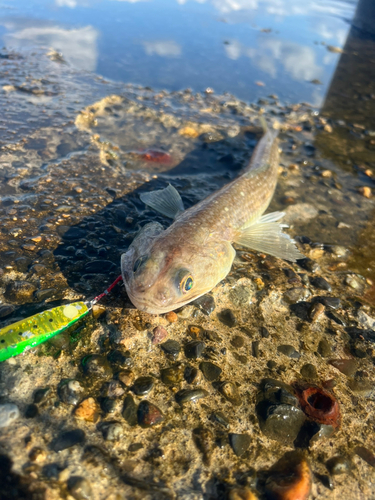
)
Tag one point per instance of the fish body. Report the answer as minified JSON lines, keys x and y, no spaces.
{"x":166,"y":269}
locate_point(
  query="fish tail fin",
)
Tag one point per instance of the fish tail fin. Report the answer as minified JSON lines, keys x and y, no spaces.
{"x":266,"y":235}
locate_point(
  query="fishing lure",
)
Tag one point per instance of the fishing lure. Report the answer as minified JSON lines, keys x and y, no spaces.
{"x":30,"y":332}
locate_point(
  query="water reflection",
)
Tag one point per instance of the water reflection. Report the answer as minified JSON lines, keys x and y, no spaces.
{"x":78,"y":46}
{"x":167,"y":48}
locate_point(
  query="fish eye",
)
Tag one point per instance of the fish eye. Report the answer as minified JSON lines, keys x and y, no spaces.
{"x":139,"y":263}
{"x":186,"y":283}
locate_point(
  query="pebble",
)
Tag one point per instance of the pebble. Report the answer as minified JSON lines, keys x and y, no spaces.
{"x":69,"y":391}
{"x":148,"y":414}
{"x":171,"y":348}
{"x":37,"y":455}
{"x":210,"y":371}
{"x":129,"y":411}
{"x":316,"y":310}
{"x":172,"y":376}
{"x":365,"y":191}
{"x":220,"y":418}
{"x":68,"y":439}
{"x":330,"y":302}
{"x":112,"y":431}
{"x":196,"y":332}
{"x":191,"y":375}
{"x":308,"y":264}
{"x":362,"y":388}
{"x":112,"y":389}
{"x":255,"y":348}
{"x":194,"y":349}
{"x":321,"y":283}
{"x":324,"y":348}
{"x":230,"y":392}
{"x":237,"y":341}
{"x":116,"y":357}
{"x":9,"y":412}
{"x":264,"y":332}
{"x":308,"y":371}
{"x":289,"y":479}
{"x":79,"y":488}
{"x":45,"y":294}
{"x":142,"y":385}
{"x":228,"y":318}
{"x":134,"y":447}
{"x":95,"y":365}
{"x":338,"y":465}
{"x":40,"y":394}
{"x":31,"y":411}
{"x":206,"y":304}
{"x":21,"y":292}
{"x":88,"y":410}
{"x":109,"y":405}
{"x":354,"y":282}
{"x":6,"y":310}
{"x":366,"y":455}
{"x":239,"y":443}
{"x":337,"y":318}
{"x":288,"y":350}
{"x":187,"y":395}
{"x":345,"y":366}
{"x":295,"y":295}
{"x":159,"y":334}
{"x":171,"y":317}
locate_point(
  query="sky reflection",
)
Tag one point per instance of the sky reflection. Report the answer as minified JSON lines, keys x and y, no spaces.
{"x":228,"y":45}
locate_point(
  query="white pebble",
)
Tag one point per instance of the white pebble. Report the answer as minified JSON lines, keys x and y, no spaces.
{"x":8,"y":413}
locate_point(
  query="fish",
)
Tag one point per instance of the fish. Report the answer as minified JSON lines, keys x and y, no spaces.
{"x":165,"y":269}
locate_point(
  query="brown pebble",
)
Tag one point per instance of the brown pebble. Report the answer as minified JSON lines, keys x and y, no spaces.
{"x":88,"y":410}
{"x":316,"y":311}
{"x":159,"y":334}
{"x":37,"y":455}
{"x":126,"y":377}
{"x":289,"y":478}
{"x":171,"y":317}
{"x":98,"y":310}
{"x":369,"y":172}
{"x":293,"y":166}
{"x":365,"y":191}
{"x":326,"y":174}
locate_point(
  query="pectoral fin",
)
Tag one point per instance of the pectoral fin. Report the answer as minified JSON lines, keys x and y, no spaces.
{"x":166,"y":201}
{"x":266,"y":236}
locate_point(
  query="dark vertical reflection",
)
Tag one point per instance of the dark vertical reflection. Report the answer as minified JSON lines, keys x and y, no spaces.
{"x":350,"y":103}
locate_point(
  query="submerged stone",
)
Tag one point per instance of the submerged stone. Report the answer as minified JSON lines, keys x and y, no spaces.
{"x":187,"y":395}
{"x":68,"y":439}
{"x":239,"y":443}
{"x":210,"y":371}
{"x":129,"y":411}
{"x":149,"y":414}
{"x":289,"y":479}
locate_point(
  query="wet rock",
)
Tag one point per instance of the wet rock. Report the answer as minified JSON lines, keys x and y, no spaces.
{"x":187,"y":395}
{"x":37,"y":455}
{"x":316,"y":311}
{"x":206,"y":304}
{"x":366,"y":455}
{"x":6,"y":310}
{"x":230,"y":392}
{"x":171,"y":348}
{"x":191,"y":374}
{"x":79,"y":488}
{"x":237,"y":341}
{"x":194,"y":349}
{"x":324,"y":348}
{"x":289,"y":479}
{"x":172,"y":376}
{"x":354,"y":282}
{"x":148,"y":414}
{"x":45,"y":294}
{"x":319,"y":405}
{"x":171,"y":316}
{"x":309,"y":265}
{"x":220,"y":418}
{"x":362,"y":388}
{"x":202,"y":439}
{"x":126,"y":377}
{"x":112,"y":389}
{"x":345,"y":366}
{"x":295,"y":295}
{"x":31,"y":411}
{"x":240,"y":296}
{"x":69,"y":391}
{"x":366,"y":320}
{"x":109,"y":405}
{"x":288,"y":350}
{"x":228,"y":318}
{"x":112,"y":431}
{"x":21,"y":292}
{"x":308,"y":371}
{"x":22,"y":264}
{"x":278,"y":411}
{"x":239,"y":443}
{"x":255,"y":348}
{"x":118,"y":358}
{"x":321,"y":283}
{"x":159,"y":334}
{"x":325,"y":479}
{"x":8,"y":414}
{"x":212,"y":336}
{"x":264,"y":332}
{"x":95,"y":365}
{"x":68,"y":439}
{"x":210,"y":371}
{"x":329,"y":302}
{"x":337,"y":318}
{"x":142,"y":385}
{"x":40,"y":395}
{"x":338,"y":465}
{"x":134,"y":447}
{"x":88,"y":410}
{"x":129,"y":411}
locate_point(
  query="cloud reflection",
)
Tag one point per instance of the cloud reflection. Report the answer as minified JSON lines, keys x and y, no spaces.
{"x":78,"y":46}
{"x":166,"y":48}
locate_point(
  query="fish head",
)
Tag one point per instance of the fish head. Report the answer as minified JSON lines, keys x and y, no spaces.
{"x":166,"y":274}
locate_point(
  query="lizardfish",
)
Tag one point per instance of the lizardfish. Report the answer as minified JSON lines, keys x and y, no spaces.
{"x":165,"y":269}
